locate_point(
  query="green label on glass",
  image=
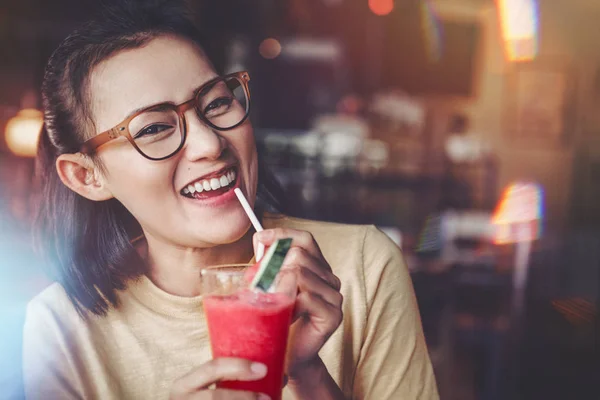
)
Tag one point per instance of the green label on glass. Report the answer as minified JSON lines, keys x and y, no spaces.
{"x":271,"y":264}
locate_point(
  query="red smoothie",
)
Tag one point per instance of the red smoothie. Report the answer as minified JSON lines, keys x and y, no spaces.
{"x":254,"y":326}
{"x":251,"y":272}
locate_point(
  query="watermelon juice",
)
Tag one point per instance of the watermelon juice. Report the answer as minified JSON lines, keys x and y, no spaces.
{"x":252,"y":325}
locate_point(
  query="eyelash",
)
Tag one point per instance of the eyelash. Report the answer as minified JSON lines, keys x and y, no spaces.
{"x":221,"y":100}
{"x":142,"y":132}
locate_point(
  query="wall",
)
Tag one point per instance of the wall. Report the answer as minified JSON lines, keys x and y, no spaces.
{"x":569,"y":33}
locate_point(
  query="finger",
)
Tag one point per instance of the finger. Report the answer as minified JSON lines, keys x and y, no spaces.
{"x":325,"y":317}
{"x":308,"y":281}
{"x":299,"y":239}
{"x":299,"y":257}
{"x":226,"y":394}
{"x":217,"y":370}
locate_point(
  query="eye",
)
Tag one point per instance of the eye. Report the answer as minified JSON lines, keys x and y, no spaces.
{"x":152,"y":130}
{"x":219,"y":105}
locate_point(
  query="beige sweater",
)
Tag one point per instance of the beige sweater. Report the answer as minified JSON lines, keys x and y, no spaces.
{"x":153,"y":338}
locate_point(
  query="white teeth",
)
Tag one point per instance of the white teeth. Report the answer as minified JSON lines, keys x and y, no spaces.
{"x":210,"y":184}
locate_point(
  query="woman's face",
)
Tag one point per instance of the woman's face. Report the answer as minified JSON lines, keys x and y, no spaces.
{"x":170,"y":69}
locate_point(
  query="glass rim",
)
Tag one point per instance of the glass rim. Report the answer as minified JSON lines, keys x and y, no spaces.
{"x":226,"y":269}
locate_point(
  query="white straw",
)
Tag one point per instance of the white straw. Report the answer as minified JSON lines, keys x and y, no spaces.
{"x":260,"y":250}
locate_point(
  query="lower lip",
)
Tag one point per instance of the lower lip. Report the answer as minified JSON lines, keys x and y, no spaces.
{"x":216,"y":201}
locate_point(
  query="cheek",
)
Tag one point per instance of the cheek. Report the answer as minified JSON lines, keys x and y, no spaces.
{"x":132,"y":178}
{"x":245,"y":147}
{"x":243,"y":141}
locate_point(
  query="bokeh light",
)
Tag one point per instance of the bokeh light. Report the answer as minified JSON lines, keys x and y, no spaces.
{"x":519,"y":213}
{"x":23,"y":132}
{"x":519,"y":22}
{"x":432,"y":31}
{"x":270,"y":48}
{"x":381,"y":7}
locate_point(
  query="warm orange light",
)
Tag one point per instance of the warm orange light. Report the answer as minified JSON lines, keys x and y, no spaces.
{"x":381,"y":7}
{"x":432,"y":32}
{"x":270,"y":48}
{"x":519,"y":22}
{"x":519,"y":213}
{"x":23,"y":132}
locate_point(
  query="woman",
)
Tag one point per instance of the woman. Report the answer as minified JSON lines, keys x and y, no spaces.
{"x":142,"y":136}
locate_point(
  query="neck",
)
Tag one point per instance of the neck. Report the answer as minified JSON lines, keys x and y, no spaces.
{"x":176,"y":270}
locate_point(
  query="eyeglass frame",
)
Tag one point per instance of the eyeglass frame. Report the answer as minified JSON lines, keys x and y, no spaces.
{"x":122,"y":129}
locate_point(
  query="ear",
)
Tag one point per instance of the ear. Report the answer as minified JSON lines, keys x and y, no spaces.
{"x":80,"y":175}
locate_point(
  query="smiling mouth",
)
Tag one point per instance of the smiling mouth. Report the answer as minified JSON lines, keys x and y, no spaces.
{"x":206,"y":188}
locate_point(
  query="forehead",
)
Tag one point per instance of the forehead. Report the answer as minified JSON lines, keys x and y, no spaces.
{"x":166,"y":69}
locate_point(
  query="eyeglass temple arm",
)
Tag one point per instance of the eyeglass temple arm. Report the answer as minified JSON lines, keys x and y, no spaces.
{"x":90,"y":146}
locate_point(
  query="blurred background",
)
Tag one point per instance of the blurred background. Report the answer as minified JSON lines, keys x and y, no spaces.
{"x":467,"y":130}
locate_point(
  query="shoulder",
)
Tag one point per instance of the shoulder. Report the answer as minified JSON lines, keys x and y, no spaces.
{"x":51,"y":348}
{"x":367,"y":240}
{"x":357,"y":252}
{"x":53,"y":299}
{"x":52,"y":311}
{"x":329,"y":233}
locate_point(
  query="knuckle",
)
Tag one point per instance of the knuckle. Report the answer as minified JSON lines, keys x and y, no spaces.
{"x":279,"y":232}
{"x":304,"y":272}
{"x":338,"y":282}
{"x":216,"y":364}
{"x":309,"y":296}
{"x":307,"y":237}
{"x":317,"y":302}
{"x":220,"y":367}
{"x":295,"y":254}
{"x":305,"y":280}
{"x":339,"y":299}
{"x":339,"y":317}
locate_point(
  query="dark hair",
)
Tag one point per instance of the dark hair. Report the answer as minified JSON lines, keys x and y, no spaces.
{"x":90,"y":243}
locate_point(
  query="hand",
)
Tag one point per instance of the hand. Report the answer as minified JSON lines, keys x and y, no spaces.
{"x":195,"y":384}
{"x":318,"y":311}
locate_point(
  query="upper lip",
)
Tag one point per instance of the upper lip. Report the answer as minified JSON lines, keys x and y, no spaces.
{"x":213,"y":174}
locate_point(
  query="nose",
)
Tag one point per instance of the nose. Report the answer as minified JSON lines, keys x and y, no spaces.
{"x":202,"y":141}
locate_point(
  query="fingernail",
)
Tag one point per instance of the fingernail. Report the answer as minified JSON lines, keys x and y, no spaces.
{"x":258,"y":369}
{"x":264,"y":235}
{"x":262,"y":396}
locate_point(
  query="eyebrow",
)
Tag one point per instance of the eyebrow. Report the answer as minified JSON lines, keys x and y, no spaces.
{"x":140,"y":109}
{"x":195,"y":92}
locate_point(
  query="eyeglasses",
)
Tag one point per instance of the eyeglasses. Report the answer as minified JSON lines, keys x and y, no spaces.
{"x":158,"y":132}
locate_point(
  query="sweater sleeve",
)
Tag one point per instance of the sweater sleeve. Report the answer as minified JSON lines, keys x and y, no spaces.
{"x":394,"y":362}
{"x":48,"y":370}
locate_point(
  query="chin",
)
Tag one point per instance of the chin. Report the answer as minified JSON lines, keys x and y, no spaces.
{"x":223,"y":231}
